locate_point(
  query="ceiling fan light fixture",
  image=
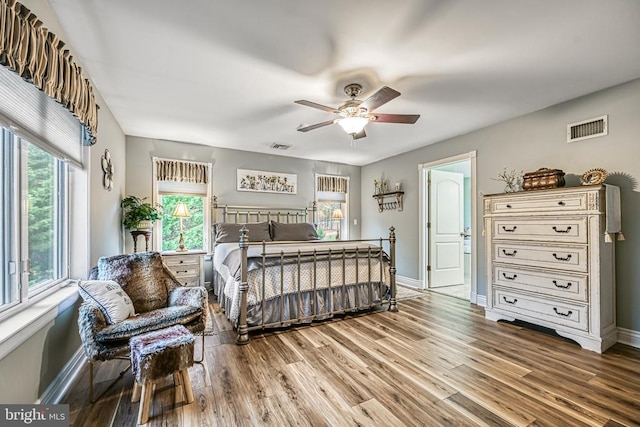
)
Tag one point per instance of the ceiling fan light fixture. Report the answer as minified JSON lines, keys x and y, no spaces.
{"x":353,"y":125}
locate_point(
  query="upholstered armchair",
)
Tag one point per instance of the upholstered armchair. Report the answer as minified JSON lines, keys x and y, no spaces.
{"x":157,"y":296}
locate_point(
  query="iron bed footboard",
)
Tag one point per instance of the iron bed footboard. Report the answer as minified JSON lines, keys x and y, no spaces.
{"x":317,"y":256}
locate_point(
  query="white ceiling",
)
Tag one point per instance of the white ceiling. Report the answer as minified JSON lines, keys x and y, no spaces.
{"x":225,"y":73}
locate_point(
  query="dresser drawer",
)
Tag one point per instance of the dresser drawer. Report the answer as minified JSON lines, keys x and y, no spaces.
{"x":184,"y":270}
{"x":573,"y":230}
{"x":181,"y":260}
{"x":563,"y":313}
{"x":561,"y":285}
{"x":539,"y":203}
{"x":189,"y":280}
{"x":561,"y":257}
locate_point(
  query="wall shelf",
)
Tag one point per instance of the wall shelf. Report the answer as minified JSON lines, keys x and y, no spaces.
{"x":396,"y":203}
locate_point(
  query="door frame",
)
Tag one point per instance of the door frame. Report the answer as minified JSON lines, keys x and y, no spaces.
{"x":423,"y":252}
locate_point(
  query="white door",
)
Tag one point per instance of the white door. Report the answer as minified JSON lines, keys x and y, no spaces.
{"x":446,"y":229}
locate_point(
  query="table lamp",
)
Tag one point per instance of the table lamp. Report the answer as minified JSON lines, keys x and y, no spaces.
{"x":337,"y":214}
{"x":181,"y":212}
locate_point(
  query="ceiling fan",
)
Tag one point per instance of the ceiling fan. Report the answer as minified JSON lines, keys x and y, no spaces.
{"x":355,"y":114}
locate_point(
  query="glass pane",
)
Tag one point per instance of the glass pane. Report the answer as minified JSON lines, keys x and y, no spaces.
{"x":193,"y":227}
{"x":41,"y":214}
{"x":329,"y":228}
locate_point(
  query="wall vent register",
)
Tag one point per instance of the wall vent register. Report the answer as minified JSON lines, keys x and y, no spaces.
{"x":586,"y":129}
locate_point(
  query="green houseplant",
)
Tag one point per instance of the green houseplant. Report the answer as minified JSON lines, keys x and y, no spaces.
{"x":136,"y":210}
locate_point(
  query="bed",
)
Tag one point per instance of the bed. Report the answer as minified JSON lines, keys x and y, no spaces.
{"x":271,"y":271}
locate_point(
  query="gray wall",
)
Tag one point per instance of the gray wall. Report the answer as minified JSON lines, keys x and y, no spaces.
{"x":140,"y":152}
{"x":27,"y":371}
{"x":527,"y":143}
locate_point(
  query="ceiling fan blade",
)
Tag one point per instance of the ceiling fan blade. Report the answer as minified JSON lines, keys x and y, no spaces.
{"x":318,"y":106}
{"x":316,"y":126}
{"x":396,"y":118}
{"x":360,"y":134}
{"x":382,"y":96}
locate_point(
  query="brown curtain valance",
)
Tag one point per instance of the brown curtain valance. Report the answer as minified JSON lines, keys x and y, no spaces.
{"x":182,"y":171}
{"x":37,"y":55}
{"x":334,"y":184}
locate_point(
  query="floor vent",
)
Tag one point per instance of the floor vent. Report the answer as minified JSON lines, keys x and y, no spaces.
{"x":586,"y":129}
{"x":277,"y":146}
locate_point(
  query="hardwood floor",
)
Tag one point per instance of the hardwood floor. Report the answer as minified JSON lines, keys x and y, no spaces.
{"x":436,"y":362}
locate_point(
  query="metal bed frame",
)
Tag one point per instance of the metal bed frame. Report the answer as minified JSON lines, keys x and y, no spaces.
{"x":321,"y":253}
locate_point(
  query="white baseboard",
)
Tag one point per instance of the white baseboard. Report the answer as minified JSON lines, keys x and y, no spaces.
{"x":409,"y":282}
{"x":61,"y":383}
{"x":629,"y":337}
{"x":480,"y":300}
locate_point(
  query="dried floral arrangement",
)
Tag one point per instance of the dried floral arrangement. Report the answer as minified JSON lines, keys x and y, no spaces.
{"x":512,"y":180}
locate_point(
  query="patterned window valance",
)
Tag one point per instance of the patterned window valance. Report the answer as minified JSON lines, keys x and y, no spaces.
{"x":334,"y":184}
{"x":182,"y":171}
{"x":37,"y":55}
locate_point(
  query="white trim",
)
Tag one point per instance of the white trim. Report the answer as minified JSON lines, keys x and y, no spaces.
{"x":409,"y":282}
{"x":629,"y":337}
{"x":23,"y":325}
{"x":423,"y":169}
{"x":480,"y":300}
{"x":156,"y":240}
{"x":65,"y":378}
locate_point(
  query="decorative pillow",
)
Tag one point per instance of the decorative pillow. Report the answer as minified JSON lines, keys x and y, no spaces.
{"x":109,"y":297}
{"x":227,"y":232}
{"x":295,"y":231}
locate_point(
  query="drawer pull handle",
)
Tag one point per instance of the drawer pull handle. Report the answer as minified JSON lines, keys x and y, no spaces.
{"x":559,"y":313}
{"x":559,"y":258}
{"x":508,"y":206}
{"x":567,"y":286}
{"x":561,"y":203}
{"x":561,"y":231}
{"x":182,"y":271}
{"x":181,"y":261}
{"x":515,"y":300}
{"x":510,"y":253}
{"x":510,"y":277}
{"x":509,"y":230}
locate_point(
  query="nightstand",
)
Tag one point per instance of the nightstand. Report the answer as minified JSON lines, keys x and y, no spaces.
{"x":186,"y":266}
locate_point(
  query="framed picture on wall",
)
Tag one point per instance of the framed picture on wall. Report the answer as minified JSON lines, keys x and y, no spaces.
{"x":267,"y":182}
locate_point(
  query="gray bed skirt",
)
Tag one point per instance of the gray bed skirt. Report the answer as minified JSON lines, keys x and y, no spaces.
{"x":305,"y":307}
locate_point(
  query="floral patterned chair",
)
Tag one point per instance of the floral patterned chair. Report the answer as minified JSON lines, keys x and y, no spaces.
{"x":159,"y":301}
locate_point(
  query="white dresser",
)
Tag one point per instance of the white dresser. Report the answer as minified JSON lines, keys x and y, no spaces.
{"x":186,"y":266}
{"x":548,"y":262}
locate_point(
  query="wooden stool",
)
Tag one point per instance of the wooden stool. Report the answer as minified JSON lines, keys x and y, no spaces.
{"x":155,"y":355}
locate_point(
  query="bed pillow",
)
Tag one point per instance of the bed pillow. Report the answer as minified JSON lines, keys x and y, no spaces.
{"x":227,"y":232}
{"x":295,"y":231}
{"x":109,"y":297}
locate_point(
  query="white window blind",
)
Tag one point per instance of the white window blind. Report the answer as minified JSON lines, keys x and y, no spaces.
{"x":30,"y":113}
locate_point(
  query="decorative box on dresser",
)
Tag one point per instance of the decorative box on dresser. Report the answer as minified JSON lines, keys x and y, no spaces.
{"x":548,"y":262}
{"x":186,"y":266}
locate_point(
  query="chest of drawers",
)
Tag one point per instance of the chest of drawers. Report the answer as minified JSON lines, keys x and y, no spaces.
{"x":548,"y":263}
{"x":186,"y":266}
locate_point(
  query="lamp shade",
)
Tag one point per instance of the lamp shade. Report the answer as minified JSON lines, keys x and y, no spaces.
{"x":181,"y":211}
{"x":337,"y":214}
{"x":353,"y":125}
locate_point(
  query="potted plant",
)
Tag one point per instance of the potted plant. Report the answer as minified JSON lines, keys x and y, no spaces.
{"x":139,"y":214}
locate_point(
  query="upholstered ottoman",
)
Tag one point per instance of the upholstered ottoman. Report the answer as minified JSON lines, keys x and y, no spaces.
{"x":155,"y":355}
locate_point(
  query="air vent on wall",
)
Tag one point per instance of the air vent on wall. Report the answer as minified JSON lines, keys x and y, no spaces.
{"x":277,"y":146}
{"x":586,"y":129}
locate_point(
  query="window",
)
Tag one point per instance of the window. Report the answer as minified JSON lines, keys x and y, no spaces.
{"x":188,"y":182}
{"x":193,"y":227}
{"x":333,"y":207}
{"x":34,"y":220}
